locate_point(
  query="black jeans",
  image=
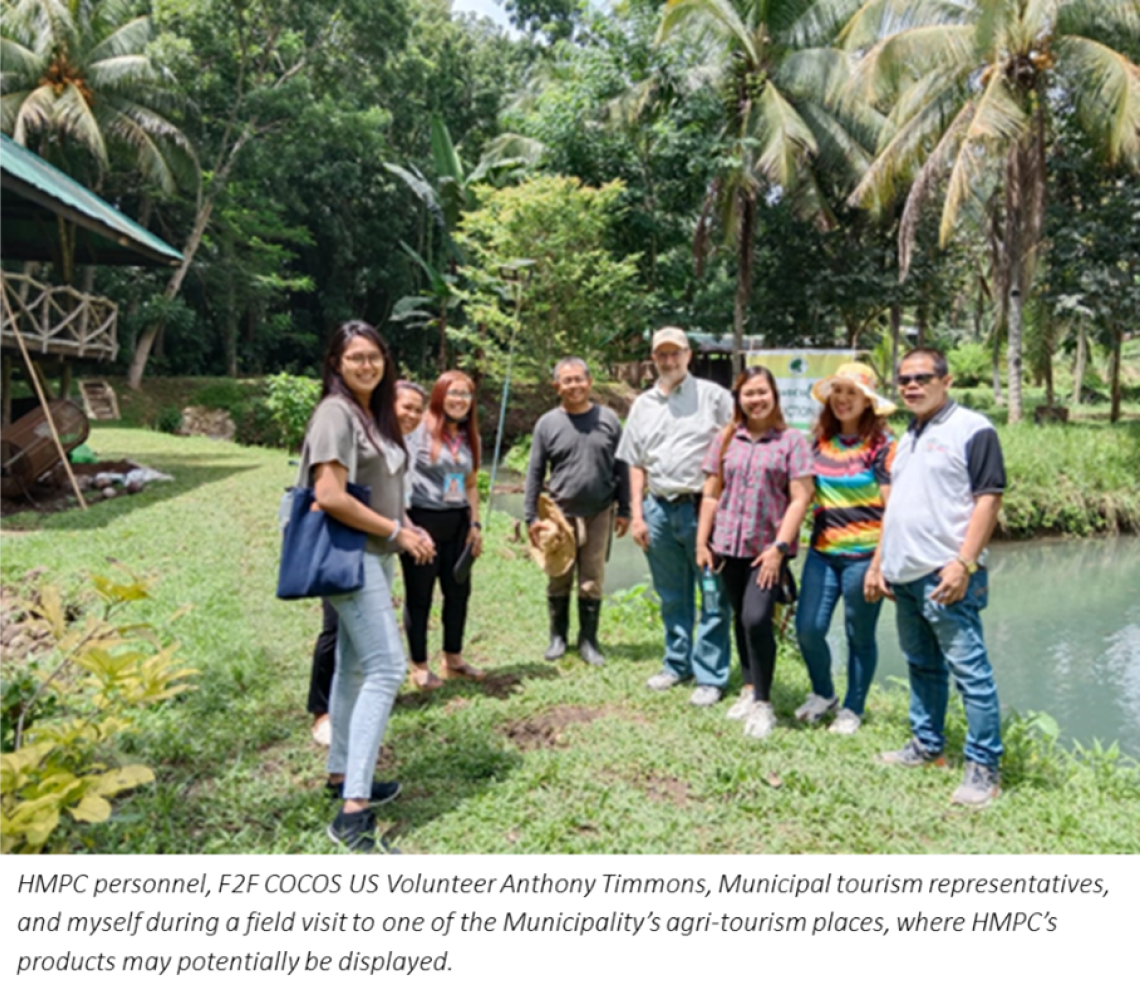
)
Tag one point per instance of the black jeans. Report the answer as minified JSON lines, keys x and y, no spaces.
{"x":752,"y":610}
{"x":324,"y":661}
{"x":448,"y":530}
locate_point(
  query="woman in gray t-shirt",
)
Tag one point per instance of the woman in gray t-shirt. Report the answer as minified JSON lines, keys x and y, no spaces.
{"x":354,"y":436}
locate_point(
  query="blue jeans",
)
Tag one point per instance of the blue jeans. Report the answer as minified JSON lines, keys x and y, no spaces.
{"x":672,"y":556}
{"x":942,"y":640}
{"x":370,"y":667}
{"x":824,"y":579}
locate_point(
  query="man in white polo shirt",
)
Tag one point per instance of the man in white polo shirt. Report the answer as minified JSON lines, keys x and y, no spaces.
{"x":947,"y":482}
{"x":666,"y":436}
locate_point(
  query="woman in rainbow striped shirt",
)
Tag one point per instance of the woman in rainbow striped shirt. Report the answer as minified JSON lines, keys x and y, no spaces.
{"x":852,"y":453}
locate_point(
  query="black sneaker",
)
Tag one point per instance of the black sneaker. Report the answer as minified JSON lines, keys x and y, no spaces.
{"x":382,"y":791}
{"x":357,"y":832}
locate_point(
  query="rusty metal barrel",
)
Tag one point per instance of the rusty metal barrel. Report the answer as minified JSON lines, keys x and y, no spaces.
{"x":27,"y":450}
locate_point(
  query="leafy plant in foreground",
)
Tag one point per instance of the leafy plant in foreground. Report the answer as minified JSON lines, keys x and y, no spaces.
{"x":62,"y":767}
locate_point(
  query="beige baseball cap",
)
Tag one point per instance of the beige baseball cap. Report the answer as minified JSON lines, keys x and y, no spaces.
{"x":670,"y":335}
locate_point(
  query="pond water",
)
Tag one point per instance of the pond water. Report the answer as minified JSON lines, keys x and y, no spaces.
{"x":1062,"y":628}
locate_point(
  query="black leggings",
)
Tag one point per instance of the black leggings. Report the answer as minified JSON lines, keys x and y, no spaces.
{"x":448,"y":530}
{"x":752,"y":610}
{"x":324,"y":661}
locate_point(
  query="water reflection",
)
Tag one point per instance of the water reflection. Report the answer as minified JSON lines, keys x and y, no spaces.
{"x":1063,"y":629}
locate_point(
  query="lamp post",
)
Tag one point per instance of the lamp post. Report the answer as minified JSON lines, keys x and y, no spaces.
{"x":516,"y":274}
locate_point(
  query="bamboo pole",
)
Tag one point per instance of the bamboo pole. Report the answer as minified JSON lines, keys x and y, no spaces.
{"x":40,"y":394}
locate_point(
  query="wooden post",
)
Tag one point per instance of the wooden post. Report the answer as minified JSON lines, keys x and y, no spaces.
{"x":65,"y":379}
{"x":6,"y":388}
{"x":43,"y":401}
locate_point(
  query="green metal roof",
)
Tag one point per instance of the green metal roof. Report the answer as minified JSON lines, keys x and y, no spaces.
{"x":33,"y":193}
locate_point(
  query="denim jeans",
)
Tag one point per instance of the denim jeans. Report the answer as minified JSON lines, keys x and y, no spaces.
{"x":824,"y":579}
{"x":672,"y":556}
{"x":943,"y":640}
{"x":370,"y":667}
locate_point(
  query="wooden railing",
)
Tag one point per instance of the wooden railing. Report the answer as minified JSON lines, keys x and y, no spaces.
{"x":59,"y":320}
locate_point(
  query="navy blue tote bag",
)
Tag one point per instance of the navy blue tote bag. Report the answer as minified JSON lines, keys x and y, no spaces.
{"x":320,"y":556}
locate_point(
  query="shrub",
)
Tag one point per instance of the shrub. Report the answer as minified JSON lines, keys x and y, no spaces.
{"x":290,"y":402}
{"x":971,"y":364}
{"x":62,"y":766}
{"x":169,"y":420}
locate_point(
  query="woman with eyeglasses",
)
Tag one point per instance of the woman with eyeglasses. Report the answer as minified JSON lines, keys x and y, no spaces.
{"x":354,"y":437}
{"x":445,"y":503}
{"x":410,"y":400}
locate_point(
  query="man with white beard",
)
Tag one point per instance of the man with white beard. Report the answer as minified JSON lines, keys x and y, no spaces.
{"x":667,"y":434}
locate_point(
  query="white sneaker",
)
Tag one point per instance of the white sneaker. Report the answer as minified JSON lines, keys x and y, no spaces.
{"x":846,"y":723}
{"x":761,"y":720}
{"x":815,"y":708}
{"x":741,"y":707}
{"x":663,"y":681}
{"x":705,"y":695}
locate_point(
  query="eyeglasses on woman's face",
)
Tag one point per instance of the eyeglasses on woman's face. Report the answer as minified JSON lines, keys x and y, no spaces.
{"x":359,"y":360}
{"x":457,"y":394}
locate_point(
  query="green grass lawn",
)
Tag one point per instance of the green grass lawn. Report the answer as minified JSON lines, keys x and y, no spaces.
{"x":540,"y":759}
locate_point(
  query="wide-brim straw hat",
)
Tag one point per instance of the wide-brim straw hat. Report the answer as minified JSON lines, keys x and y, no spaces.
{"x":863,"y":377}
{"x":557,"y":548}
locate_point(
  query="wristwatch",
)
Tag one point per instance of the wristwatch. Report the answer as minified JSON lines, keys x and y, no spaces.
{"x":970,"y":565}
{"x":783,"y":547}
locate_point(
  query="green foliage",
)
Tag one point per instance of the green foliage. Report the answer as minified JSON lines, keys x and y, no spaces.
{"x":971,"y":363}
{"x":169,"y":420}
{"x":518,"y":456}
{"x":290,"y":401}
{"x":575,"y":296}
{"x":67,"y":712}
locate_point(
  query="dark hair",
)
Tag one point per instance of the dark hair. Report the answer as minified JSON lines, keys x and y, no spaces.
{"x":436,"y":417}
{"x":381,"y":413}
{"x":409,"y":385}
{"x":871,"y":428}
{"x":937,"y":357}
{"x":738,"y":415}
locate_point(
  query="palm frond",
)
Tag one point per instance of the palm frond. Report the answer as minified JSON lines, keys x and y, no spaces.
{"x":119,"y":71}
{"x":130,"y":38}
{"x":1107,"y":94}
{"x":1091,"y":18}
{"x":35,"y":113}
{"x":997,"y":125}
{"x":785,"y":139}
{"x":902,"y":58}
{"x":716,"y":15}
{"x":19,"y":63}
{"x":876,"y":20}
{"x":75,"y":120}
{"x":149,"y":157}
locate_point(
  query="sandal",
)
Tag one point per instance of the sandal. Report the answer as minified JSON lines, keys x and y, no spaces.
{"x":424,"y":679}
{"x":463,"y":672}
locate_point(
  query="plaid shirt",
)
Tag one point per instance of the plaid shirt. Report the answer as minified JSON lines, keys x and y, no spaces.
{"x":757,"y":474}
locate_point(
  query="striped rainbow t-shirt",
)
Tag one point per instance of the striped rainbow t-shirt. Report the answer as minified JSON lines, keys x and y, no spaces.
{"x":848,"y":513}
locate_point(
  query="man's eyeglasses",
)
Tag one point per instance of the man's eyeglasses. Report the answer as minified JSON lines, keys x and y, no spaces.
{"x":921,"y":378}
{"x":359,"y":359}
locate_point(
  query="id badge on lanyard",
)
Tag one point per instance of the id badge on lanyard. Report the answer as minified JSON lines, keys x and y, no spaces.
{"x":454,"y":491}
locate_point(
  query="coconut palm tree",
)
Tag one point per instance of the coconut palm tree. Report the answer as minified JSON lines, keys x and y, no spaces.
{"x":785,"y":121}
{"x":76,"y":79}
{"x":968,"y":88}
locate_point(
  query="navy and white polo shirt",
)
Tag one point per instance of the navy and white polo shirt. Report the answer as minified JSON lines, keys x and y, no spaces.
{"x":940,"y":467}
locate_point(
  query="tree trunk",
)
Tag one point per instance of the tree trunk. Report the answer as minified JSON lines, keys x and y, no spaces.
{"x":896,"y":328}
{"x":1079,"y":363}
{"x":743,"y":280}
{"x":920,"y":321}
{"x":1013,"y":349}
{"x":1114,"y":373}
{"x":996,"y":365}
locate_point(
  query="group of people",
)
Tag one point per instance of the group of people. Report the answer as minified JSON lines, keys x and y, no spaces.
{"x":418,"y":452}
{"x":715,"y":487}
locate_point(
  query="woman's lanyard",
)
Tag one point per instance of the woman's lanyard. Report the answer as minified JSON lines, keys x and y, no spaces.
{"x":454,"y":444}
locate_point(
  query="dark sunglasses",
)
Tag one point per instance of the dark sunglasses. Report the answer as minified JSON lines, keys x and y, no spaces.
{"x":909,"y":378}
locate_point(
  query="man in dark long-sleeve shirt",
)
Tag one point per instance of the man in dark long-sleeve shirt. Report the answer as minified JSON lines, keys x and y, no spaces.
{"x":577,"y":441}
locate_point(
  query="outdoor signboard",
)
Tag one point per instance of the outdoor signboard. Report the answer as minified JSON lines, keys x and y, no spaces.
{"x":796,"y":370}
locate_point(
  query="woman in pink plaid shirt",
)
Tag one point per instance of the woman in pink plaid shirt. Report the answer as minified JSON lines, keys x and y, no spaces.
{"x":758,"y":488}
